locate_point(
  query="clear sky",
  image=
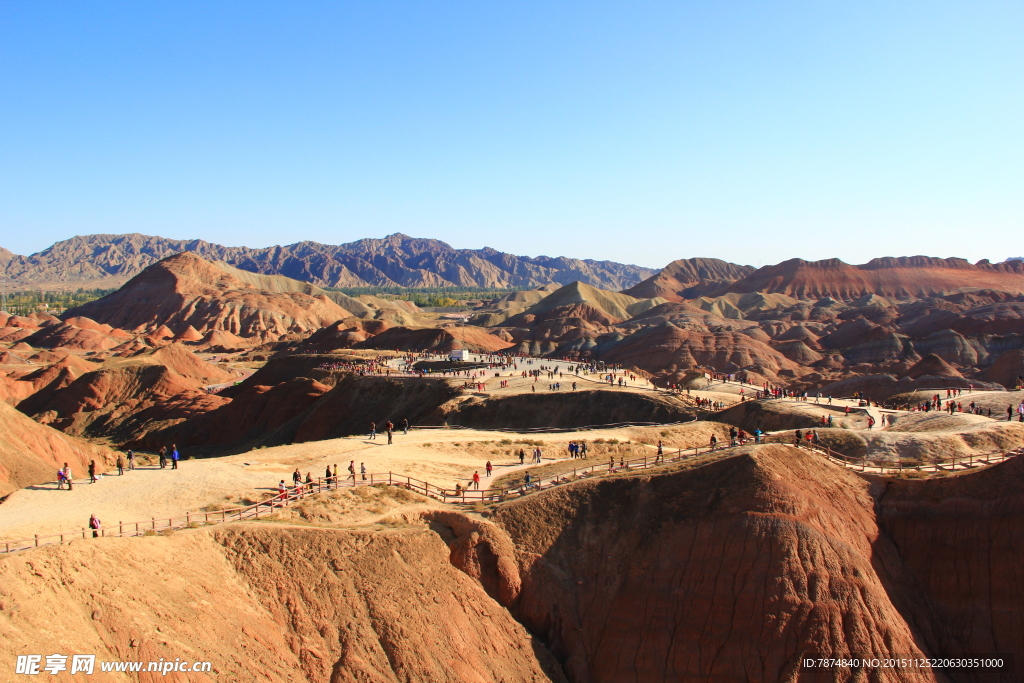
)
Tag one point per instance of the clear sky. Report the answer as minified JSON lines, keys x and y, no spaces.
{"x":633,"y":131}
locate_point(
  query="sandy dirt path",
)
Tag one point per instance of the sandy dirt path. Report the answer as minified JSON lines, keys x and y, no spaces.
{"x":440,"y":456}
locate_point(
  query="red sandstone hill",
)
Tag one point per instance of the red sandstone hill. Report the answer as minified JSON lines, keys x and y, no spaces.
{"x":30,"y":453}
{"x":123,"y":397}
{"x":672,"y":350}
{"x":689,"y":278}
{"x":737,"y":570}
{"x":904,"y":277}
{"x":186,"y":291}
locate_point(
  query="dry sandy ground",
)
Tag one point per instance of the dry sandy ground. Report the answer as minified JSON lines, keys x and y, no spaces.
{"x":440,"y":456}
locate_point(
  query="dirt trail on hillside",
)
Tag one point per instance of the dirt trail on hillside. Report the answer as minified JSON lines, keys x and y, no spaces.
{"x":442,"y":457}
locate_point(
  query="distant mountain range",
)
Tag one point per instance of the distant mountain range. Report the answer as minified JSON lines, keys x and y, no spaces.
{"x":396,"y":260}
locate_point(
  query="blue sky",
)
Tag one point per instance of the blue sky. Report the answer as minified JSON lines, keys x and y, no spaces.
{"x":633,"y":131}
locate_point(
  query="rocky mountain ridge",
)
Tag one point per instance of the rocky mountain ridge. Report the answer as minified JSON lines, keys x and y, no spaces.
{"x":396,"y":260}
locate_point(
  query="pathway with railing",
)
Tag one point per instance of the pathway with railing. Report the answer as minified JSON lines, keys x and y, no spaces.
{"x":586,"y":470}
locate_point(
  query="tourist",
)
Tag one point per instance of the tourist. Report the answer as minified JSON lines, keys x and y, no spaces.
{"x":309,"y":479}
{"x":714,"y":442}
{"x":174,"y":457}
{"x":335,"y":475}
{"x":60,"y":479}
{"x":373,"y":430}
{"x":352,"y":471}
{"x":282,"y":490}
{"x":94,"y":524}
{"x":131,"y":460}
{"x":327,"y":475}
{"x":488,"y":468}
{"x":362,"y":470}
{"x":120,"y":465}
{"x":296,"y":477}
{"x":163,"y":457}
{"x":405,"y":427}
{"x":798,"y":437}
{"x":68,"y":477}
{"x":476,"y":480}
{"x":522,"y":456}
{"x":92,"y":471}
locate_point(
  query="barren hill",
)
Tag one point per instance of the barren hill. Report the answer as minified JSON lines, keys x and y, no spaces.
{"x":903,"y":278}
{"x":31,"y":453}
{"x":109,"y":260}
{"x":186,"y":290}
{"x":689,"y":278}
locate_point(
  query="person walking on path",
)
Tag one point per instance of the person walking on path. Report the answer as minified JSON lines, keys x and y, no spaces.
{"x":488,"y":468}
{"x":390,"y":433}
{"x":174,"y":457}
{"x":327,"y":475}
{"x":296,"y":477}
{"x":92,"y":471}
{"x":405,"y":427}
{"x":362,"y":470}
{"x":120,"y":465}
{"x":373,"y":430}
{"x":282,"y":490}
{"x":476,"y":480}
{"x":163,"y":457}
{"x":352,"y":471}
{"x":94,"y":524}
{"x":67,"y":476}
{"x":336,"y":473}
{"x":60,"y":479}
{"x":131,"y":459}
{"x":522,"y":457}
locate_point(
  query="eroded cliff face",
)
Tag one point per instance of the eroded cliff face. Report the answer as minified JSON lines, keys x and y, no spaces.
{"x":960,"y":540}
{"x":268,"y":603}
{"x":737,"y":570}
{"x":731,"y":572}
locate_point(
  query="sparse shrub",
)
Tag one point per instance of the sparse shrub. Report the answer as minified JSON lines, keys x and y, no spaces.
{"x":505,"y":442}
